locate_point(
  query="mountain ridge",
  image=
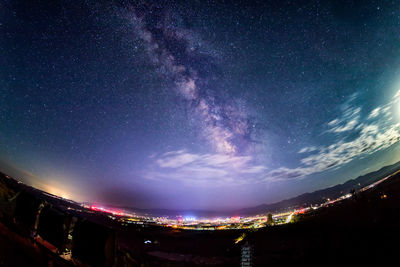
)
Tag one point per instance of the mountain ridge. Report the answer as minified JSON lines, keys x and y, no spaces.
{"x":302,"y":200}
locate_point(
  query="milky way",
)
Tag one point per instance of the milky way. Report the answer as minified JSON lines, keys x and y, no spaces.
{"x":224,"y":126}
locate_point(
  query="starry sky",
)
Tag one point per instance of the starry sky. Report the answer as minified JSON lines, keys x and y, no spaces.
{"x":197,"y":104}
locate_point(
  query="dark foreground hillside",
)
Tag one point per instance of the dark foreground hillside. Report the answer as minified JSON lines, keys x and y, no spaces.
{"x":361,"y":231}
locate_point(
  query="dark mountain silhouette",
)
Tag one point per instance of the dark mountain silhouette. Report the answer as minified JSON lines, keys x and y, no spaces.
{"x":320,"y":196}
{"x":304,"y":200}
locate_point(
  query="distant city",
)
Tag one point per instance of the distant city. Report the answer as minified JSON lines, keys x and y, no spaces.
{"x":190,"y":222}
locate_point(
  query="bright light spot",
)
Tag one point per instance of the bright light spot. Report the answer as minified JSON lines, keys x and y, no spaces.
{"x":289,"y":218}
{"x":189,"y":218}
{"x":240,"y":238}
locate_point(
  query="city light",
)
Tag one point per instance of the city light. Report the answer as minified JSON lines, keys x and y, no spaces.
{"x":191,"y":222}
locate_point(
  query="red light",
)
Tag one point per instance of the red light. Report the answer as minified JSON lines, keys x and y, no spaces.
{"x":101,"y":209}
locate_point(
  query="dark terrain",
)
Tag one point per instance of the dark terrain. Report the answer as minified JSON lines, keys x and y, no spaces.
{"x":361,"y":231}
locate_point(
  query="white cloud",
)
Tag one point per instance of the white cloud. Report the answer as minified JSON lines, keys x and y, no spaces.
{"x":307,"y":149}
{"x":373,"y":136}
{"x":347,"y":127}
{"x":374,"y":113}
{"x":205,"y":169}
{"x":176,"y":159}
{"x":333,"y":122}
{"x":347,"y":122}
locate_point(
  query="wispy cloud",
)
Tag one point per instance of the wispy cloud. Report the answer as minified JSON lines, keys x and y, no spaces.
{"x":376,"y":132}
{"x":308,"y":149}
{"x":349,"y":119}
{"x":205,"y":169}
{"x":374,"y":113}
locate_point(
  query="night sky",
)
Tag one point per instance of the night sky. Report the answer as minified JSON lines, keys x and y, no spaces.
{"x":197,"y":104}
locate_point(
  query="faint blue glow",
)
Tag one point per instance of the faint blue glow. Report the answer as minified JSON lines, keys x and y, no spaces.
{"x":189,"y":218}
